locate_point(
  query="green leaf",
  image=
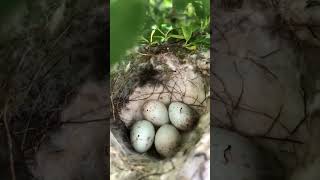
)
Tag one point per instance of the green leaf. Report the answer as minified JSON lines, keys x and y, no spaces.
{"x":126,"y":19}
{"x":143,"y":39}
{"x":176,"y":36}
{"x":180,"y":4}
{"x":151,"y":35}
{"x":187,"y":32}
{"x":202,"y":8}
{"x":190,"y":10}
{"x":191,"y":47}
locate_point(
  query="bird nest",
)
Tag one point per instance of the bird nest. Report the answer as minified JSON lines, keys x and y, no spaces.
{"x":167,"y":78}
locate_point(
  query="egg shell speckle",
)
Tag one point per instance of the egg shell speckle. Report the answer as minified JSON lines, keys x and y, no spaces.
{"x":167,"y":140}
{"x":142,"y":136}
{"x":155,"y":112}
{"x":181,"y":116}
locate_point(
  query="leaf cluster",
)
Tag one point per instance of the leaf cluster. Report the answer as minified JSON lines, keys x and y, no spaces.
{"x":156,"y":22}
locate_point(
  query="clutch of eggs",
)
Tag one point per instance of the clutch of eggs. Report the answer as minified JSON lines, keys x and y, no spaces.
{"x":167,"y":137}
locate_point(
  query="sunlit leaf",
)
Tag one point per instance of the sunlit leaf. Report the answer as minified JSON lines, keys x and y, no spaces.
{"x":190,"y":10}
{"x":187,"y":32}
{"x":151,"y":35}
{"x":154,"y":27}
{"x":202,"y":8}
{"x":176,"y":36}
{"x":143,"y":39}
{"x":191,"y":47}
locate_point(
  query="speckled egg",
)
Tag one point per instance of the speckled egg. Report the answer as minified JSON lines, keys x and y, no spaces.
{"x":181,"y":116}
{"x":142,"y":135}
{"x":167,"y":140}
{"x":155,"y":112}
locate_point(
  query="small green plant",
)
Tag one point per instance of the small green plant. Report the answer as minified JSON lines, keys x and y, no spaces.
{"x":158,"y":34}
{"x":155,"y":22}
{"x":173,"y":21}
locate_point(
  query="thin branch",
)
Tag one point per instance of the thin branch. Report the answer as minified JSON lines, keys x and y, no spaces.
{"x":280,"y":139}
{"x":242,"y":86}
{"x":304,"y":98}
{"x":85,"y":122}
{"x":9,"y":138}
{"x":274,"y":121}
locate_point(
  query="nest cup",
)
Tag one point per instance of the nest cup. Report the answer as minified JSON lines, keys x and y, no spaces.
{"x":166,"y":78}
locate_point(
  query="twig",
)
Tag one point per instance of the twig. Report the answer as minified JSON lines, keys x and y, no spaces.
{"x":270,"y":53}
{"x":85,"y":122}
{"x":223,"y":37}
{"x":305,"y":110}
{"x":314,"y":34}
{"x":9,"y":138}
{"x":262,"y":67}
{"x":274,"y":121}
{"x":225,"y":151}
{"x":242,"y":86}
{"x":281,"y":139}
{"x":85,"y":113}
